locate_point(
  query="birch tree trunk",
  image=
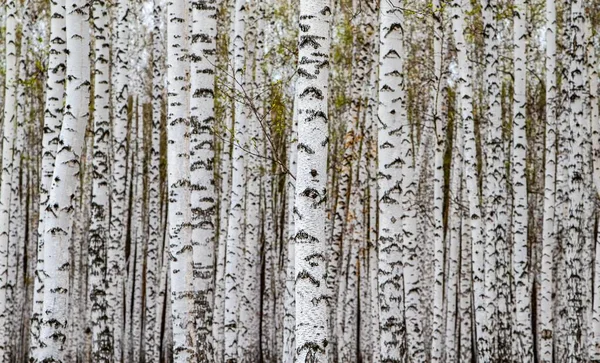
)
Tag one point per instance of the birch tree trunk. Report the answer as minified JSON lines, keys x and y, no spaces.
{"x":99,"y":227}
{"x":58,"y":224}
{"x":495,"y":179}
{"x":224,"y":178}
{"x":411,"y":162}
{"x":202,"y":78}
{"x":522,"y":333}
{"x":248,"y":336}
{"x":391,"y":109}
{"x":437,"y":341}
{"x":311,"y":291}
{"x":466,"y":313}
{"x":549,"y":238}
{"x":454,"y":240}
{"x":235,"y":229}
{"x":10,"y":119}
{"x":115,"y":253}
{"x":154,"y":231}
{"x":577,"y":163}
{"x":16,"y":227}
{"x":178,"y":170}
{"x":55,"y":87}
{"x":592,"y":66}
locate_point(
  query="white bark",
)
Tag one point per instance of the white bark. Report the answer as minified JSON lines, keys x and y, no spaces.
{"x":10,"y":119}
{"x":576,"y":167}
{"x":248,"y":348}
{"x":202,"y":78}
{"x":311,"y":291}
{"x":460,"y":9}
{"x":437,"y":340}
{"x":58,"y":224}
{"x":16,"y":227}
{"x":494,"y":185}
{"x":99,"y":227}
{"x":52,"y":122}
{"x":412,"y":163}
{"x":235,"y":229}
{"x":465,"y":313}
{"x":522,"y":332}
{"x":178,"y":180}
{"x":115,"y":253}
{"x":154,"y":231}
{"x":454,"y":245}
{"x":546,"y":327}
{"x":224,"y":178}
{"x":391,"y":111}
{"x":592,"y":65}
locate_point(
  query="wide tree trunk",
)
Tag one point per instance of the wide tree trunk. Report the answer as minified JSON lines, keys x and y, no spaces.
{"x":311,"y":291}
{"x":202,"y":119}
{"x":61,"y":202}
{"x":178,"y":180}
{"x":392,"y":343}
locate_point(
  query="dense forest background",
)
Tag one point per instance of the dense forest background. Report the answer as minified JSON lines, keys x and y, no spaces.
{"x":299,"y":181}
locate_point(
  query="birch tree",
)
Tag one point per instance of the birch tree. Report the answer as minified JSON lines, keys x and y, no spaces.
{"x":235,"y":228}
{"x":57,"y":225}
{"x":437,"y":343}
{"x":115,"y":253}
{"x":495,"y":178}
{"x":310,"y":251}
{"x":576,"y":163}
{"x":9,"y":123}
{"x":523,"y":339}
{"x":52,"y":125}
{"x":178,"y":180}
{"x":202,"y":55}
{"x":99,"y":228}
{"x":152,"y":320}
{"x":549,"y":237}
{"x":391,"y":110}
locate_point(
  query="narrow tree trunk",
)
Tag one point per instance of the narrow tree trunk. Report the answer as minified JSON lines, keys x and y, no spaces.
{"x":522,"y":332}
{"x":454,"y":245}
{"x":466,"y":313}
{"x":494,"y":185}
{"x":592,"y":65}
{"x":115,"y":253}
{"x":99,"y":227}
{"x":578,"y":137}
{"x":437,"y":328}
{"x":235,"y":229}
{"x":152,"y":317}
{"x":289,"y":322}
{"x":10,"y":119}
